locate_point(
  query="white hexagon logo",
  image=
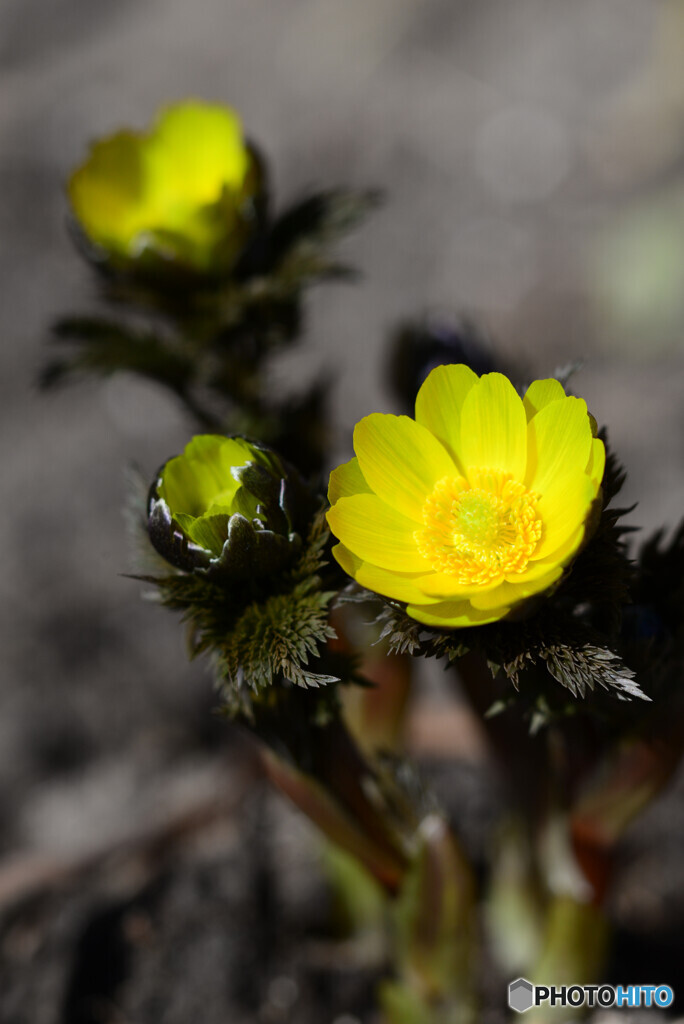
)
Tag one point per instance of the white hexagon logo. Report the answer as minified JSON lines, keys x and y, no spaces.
{"x":521,"y":995}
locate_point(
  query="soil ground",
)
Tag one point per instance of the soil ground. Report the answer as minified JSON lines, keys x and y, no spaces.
{"x":143,"y":864}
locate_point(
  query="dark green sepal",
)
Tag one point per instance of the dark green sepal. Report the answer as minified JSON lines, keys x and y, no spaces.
{"x":252,"y":550}
{"x":261,"y":484}
{"x":169,"y":540}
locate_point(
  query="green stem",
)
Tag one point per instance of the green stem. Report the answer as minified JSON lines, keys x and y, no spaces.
{"x":574,"y":952}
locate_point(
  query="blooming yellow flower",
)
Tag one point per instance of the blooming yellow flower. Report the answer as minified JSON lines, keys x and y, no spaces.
{"x":183,"y":191}
{"x":474,"y":506}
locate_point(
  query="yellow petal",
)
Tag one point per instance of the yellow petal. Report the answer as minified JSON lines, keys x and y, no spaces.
{"x":597,"y":462}
{"x":346,"y":480}
{"x":453,"y":614}
{"x":401,"y":461}
{"x":493,"y":427}
{"x":441,"y":585}
{"x":558,"y":444}
{"x":203,"y":474}
{"x":563,"y":509}
{"x":440,"y":400}
{"x":397,"y":586}
{"x":563,"y":554}
{"x":195,"y":149}
{"x":510,"y":593}
{"x":376,"y":533}
{"x":107,"y":193}
{"x":541,"y":393}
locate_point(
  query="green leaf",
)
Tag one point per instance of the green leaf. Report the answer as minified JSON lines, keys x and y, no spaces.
{"x":274,"y":639}
{"x":400,"y":1004}
{"x":360,"y":904}
{"x":104,"y":347}
{"x":320,"y":220}
{"x":436,"y":918}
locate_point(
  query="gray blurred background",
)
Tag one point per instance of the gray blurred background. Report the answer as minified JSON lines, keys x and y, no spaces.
{"x":532,"y":154}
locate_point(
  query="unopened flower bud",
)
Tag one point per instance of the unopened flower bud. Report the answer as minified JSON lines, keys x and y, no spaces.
{"x":228,"y":506}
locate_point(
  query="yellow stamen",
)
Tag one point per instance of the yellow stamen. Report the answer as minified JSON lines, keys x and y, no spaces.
{"x":479,"y":532}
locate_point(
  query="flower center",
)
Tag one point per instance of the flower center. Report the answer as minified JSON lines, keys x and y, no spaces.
{"x":480,"y":531}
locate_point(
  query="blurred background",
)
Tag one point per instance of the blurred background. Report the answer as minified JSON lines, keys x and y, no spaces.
{"x":532,"y":157}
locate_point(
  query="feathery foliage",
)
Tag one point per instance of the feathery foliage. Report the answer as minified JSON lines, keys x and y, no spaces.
{"x":572,"y":635}
{"x":259,"y":632}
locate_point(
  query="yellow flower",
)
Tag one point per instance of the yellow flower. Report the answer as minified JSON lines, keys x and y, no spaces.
{"x":183,"y":192}
{"x":474,"y":506}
